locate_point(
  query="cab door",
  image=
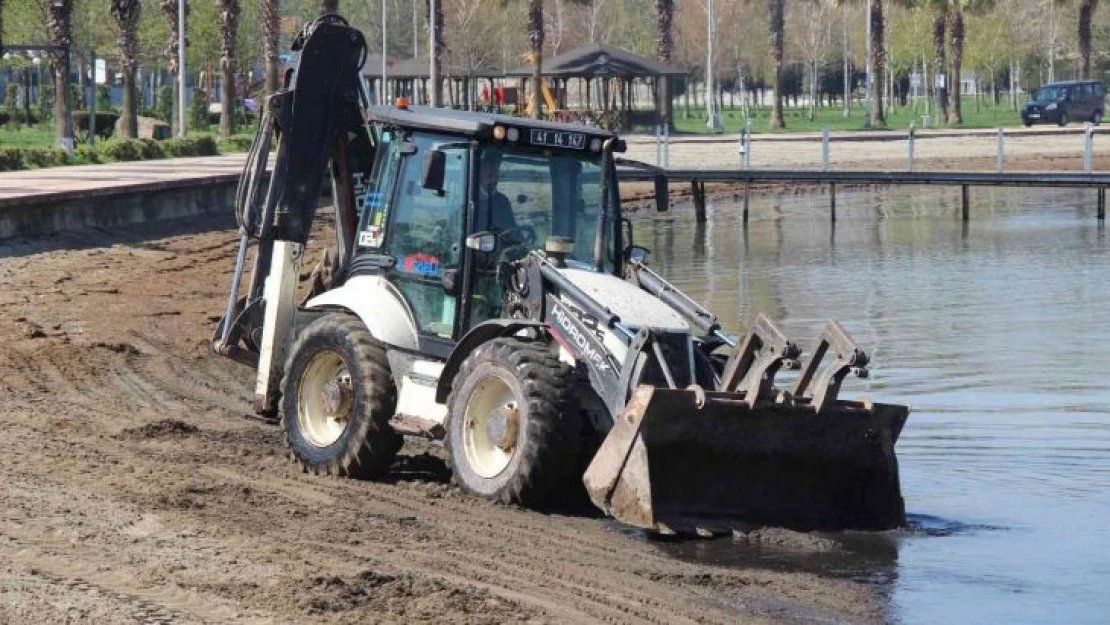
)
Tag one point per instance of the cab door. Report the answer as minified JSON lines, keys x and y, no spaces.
{"x":425,"y":236}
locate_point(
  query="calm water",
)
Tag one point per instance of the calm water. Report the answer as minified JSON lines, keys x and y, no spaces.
{"x":997,"y":333}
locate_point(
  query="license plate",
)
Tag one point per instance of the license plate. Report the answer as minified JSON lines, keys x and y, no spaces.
{"x":559,"y":139}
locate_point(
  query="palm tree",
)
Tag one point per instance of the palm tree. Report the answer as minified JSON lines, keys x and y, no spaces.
{"x":878,"y":62}
{"x":60,"y":25}
{"x":535,"y":38}
{"x":169,"y":8}
{"x":940,"y":28}
{"x":271,"y":31}
{"x":1086,"y":11}
{"x":229,"y":30}
{"x":777,"y":11}
{"x":955,"y":80}
{"x":664,"y":48}
{"x":126,"y":14}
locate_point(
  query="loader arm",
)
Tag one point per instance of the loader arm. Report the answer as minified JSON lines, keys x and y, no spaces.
{"x":317,"y":122}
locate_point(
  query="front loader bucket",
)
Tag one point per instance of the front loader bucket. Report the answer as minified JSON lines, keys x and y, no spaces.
{"x":685,"y":460}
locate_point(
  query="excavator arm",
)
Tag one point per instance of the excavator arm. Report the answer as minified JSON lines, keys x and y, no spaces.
{"x":317,"y":123}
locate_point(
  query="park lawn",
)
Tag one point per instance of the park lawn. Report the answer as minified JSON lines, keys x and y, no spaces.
{"x":15,"y":136}
{"x":797,"y":118}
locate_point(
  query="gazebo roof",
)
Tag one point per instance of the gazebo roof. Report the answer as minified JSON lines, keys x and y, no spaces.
{"x":599,"y":60}
{"x":419,"y":67}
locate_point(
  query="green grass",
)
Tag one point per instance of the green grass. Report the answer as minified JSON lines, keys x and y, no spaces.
{"x":23,"y":137}
{"x":797,"y":119}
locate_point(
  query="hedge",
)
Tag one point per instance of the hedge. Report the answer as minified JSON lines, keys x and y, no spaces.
{"x":14,"y":159}
{"x":105,"y":122}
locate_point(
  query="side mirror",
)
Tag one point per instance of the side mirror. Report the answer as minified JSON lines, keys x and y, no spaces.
{"x":485,"y":242}
{"x":636,"y":254}
{"x":662,"y":193}
{"x":435,"y":168}
{"x":450,"y":282}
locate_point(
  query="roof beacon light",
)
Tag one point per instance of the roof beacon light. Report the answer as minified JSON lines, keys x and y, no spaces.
{"x":595,"y":145}
{"x":499,"y":133}
{"x":401,"y":103}
{"x":514,"y":134}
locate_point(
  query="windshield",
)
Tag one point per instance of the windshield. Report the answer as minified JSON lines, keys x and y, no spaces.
{"x":1050,"y":93}
{"x":528,"y":195}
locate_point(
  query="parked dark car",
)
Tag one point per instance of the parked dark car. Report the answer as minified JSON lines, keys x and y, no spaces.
{"x":1063,"y":102}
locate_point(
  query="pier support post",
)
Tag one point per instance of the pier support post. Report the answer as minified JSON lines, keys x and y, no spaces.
{"x":698,"y":189}
{"x":832,"y":201}
{"x":965,"y":196}
{"x":1101,"y":204}
{"x":747,"y":197}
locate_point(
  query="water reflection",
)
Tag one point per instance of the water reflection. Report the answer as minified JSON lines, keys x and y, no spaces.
{"x":994,"y":330}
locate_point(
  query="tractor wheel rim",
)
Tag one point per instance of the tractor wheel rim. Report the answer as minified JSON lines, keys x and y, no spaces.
{"x":491,"y":424}
{"x":324,"y":399}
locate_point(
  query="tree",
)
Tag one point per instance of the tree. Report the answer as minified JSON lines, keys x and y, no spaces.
{"x":126,"y":14}
{"x":940,"y":47}
{"x":1086,"y":11}
{"x":878,"y":62}
{"x":535,"y":40}
{"x":229,"y":31}
{"x":777,"y":12}
{"x":329,"y":6}
{"x":664,"y":47}
{"x":169,"y":8}
{"x":955,"y":80}
{"x":271,"y":30}
{"x":60,"y":25}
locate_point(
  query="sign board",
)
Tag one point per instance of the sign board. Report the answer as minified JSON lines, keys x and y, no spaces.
{"x":101,"y":72}
{"x":559,"y":139}
{"x":942,"y":81}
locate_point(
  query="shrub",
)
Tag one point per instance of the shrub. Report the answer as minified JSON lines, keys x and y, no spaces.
{"x":11,"y":101}
{"x":203,"y":145}
{"x":105,"y":122}
{"x":151,"y":149}
{"x":46,"y":100}
{"x":20,"y":117}
{"x":239,"y":143}
{"x":44,"y":157}
{"x":164,"y":106}
{"x":11,"y":159}
{"x":122,"y":150}
{"x":103,"y":98}
{"x":87,"y":154}
{"x":198,"y":110}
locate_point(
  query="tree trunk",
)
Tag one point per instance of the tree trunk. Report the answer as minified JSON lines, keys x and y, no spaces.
{"x":535,"y":38}
{"x":126,"y":14}
{"x":169,"y":8}
{"x":271,"y":32}
{"x":229,"y":29}
{"x":1086,"y":11}
{"x":61,"y":35}
{"x":940,"y":26}
{"x":955,"y":108}
{"x":878,"y":58}
{"x":329,"y":6}
{"x":777,"y":10}
{"x":664,"y":47}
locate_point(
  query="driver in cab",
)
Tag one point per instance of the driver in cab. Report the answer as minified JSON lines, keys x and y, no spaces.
{"x":495,"y":203}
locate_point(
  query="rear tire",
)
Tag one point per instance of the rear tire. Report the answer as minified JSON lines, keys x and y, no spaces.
{"x":337,"y":400}
{"x":1063,"y":119}
{"x":514,"y":431}
{"x":1096,"y":119}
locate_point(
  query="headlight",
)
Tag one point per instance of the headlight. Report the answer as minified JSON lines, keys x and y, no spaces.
{"x":513,"y":134}
{"x":595,"y":145}
{"x":1050,"y":107}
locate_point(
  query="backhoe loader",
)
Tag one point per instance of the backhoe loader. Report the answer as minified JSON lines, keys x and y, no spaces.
{"x":483,"y":290}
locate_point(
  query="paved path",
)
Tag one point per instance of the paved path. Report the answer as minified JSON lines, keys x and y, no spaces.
{"x":101,"y":179}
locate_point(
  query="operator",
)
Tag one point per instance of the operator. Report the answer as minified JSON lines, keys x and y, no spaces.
{"x":501,"y":218}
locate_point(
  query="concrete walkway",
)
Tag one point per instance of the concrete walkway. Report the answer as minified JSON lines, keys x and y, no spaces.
{"x":92,"y":180}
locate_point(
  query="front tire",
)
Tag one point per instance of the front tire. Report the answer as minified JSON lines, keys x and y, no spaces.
{"x":337,"y":400}
{"x":1063,"y":119}
{"x":1096,"y":119}
{"x":514,"y":432}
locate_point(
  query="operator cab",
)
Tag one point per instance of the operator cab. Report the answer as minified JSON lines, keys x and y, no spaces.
{"x":454,"y":196}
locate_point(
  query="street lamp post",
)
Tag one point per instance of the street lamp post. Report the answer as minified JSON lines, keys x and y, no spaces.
{"x":433,"y":75}
{"x":867,"y":106}
{"x":712,"y":121}
{"x":385,"y":47}
{"x":180,"y":68}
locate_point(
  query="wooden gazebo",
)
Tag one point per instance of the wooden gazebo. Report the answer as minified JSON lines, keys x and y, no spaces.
{"x":605,"y":78}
